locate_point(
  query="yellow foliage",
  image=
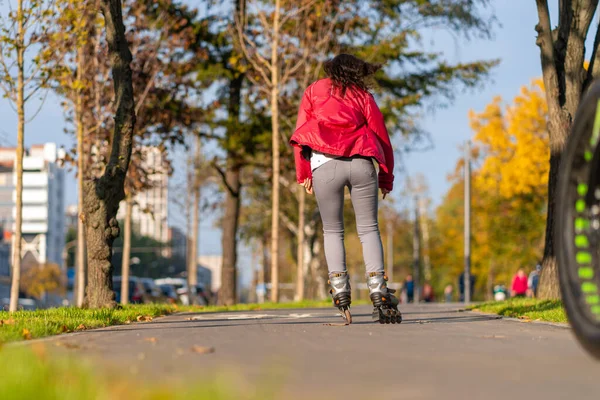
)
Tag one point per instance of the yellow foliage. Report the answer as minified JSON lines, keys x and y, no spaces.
{"x":37,"y":280}
{"x":514,"y":144}
{"x":509,"y":189}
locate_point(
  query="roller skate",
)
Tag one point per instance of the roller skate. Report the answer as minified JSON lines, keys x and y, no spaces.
{"x":385,"y":304}
{"x":341,"y":294}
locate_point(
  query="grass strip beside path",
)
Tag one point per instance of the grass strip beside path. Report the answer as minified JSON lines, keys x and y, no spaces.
{"x":36,"y":372}
{"x":25,"y":325}
{"x":527,"y":309}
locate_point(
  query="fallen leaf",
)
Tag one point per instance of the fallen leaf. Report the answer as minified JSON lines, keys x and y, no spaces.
{"x":202,"y":349}
{"x":9,"y":321}
{"x":26,"y":334}
{"x":143,"y":318}
{"x":64,"y":329}
{"x":151,"y":339}
{"x":128,"y":321}
{"x":81,"y":327}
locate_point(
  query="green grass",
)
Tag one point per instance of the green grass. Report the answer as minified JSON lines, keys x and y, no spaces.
{"x":41,"y":323}
{"x":38,"y":373}
{"x":528,"y":309}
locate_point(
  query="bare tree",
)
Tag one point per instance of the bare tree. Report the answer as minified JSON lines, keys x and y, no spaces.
{"x":21,"y":55}
{"x":277,"y":50}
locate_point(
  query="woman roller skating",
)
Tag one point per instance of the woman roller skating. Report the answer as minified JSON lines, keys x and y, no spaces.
{"x":340,"y":135}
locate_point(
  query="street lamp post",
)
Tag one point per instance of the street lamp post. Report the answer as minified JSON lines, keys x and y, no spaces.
{"x":467,"y":219}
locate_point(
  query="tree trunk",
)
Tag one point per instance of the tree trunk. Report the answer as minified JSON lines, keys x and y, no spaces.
{"x":102,"y":195}
{"x":489,"y":292}
{"x":193,"y":260}
{"x":549,"y":287}
{"x":80,"y":262}
{"x":126,"y":258}
{"x":261,"y":272}
{"x":301,"y":247}
{"x":425,"y":231}
{"x":228,"y":295}
{"x":16,"y":266}
{"x":232,"y":181}
{"x":275,"y":132}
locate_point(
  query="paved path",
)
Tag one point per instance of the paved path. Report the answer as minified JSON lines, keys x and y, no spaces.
{"x":437,"y":352}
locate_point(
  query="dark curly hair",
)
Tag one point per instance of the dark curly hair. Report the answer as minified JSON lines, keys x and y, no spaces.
{"x":349,"y":72}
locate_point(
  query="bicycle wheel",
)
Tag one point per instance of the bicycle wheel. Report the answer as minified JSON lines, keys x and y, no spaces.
{"x":577,"y":220}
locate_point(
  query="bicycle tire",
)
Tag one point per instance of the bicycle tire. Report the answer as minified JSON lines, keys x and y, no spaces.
{"x":577,"y":224}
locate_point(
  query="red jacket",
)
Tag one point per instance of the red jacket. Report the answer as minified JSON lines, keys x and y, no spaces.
{"x":345,"y":127}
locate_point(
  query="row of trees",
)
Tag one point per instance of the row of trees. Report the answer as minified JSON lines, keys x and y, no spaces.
{"x":229,"y":73}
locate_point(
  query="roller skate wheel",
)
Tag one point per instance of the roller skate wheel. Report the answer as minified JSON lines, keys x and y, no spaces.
{"x":398,"y":319}
{"x":337,"y":302}
{"x":381,"y":320}
{"x":388,"y":320}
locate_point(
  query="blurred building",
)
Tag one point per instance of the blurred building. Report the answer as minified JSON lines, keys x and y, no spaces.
{"x":150,"y":210}
{"x":43,"y":225}
{"x":214,"y":264}
{"x":205,"y":277}
{"x":178,"y":243}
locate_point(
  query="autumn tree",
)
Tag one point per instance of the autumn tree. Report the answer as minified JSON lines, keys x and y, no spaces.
{"x":23,"y":74}
{"x":562,"y":54}
{"x":509,"y":189}
{"x":40,"y":279}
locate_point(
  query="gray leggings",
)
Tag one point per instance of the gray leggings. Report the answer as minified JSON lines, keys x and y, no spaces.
{"x":329,"y":182}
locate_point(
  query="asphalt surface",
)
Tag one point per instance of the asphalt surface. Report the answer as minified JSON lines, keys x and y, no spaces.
{"x":437,"y":352}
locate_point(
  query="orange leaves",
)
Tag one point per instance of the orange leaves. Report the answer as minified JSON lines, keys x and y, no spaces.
{"x":514,"y":144}
{"x":26,"y":334}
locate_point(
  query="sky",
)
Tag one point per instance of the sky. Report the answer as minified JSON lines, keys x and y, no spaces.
{"x":513,"y":44}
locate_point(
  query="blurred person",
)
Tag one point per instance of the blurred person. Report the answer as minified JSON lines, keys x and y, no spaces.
{"x":518,"y":288}
{"x":409,"y":288}
{"x":448,"y":291}
{"x":499,"y":293}
{"x":340,"y":135}
{"x":461,"y":287}
{"x":428,"y":295}
{"x":534,"y":280}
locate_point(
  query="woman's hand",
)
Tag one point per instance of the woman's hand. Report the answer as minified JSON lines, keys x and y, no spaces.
{"x":385,"y":192}
{"x":308,"y":185}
